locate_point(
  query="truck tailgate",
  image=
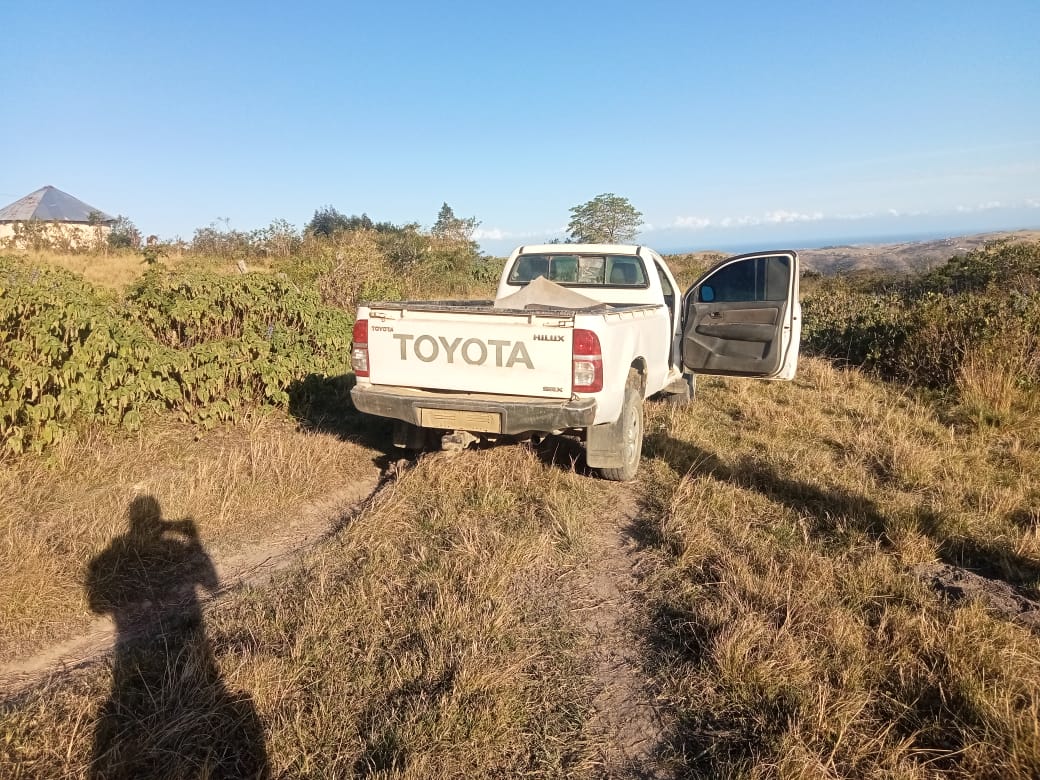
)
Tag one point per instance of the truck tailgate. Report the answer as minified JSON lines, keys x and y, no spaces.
{"x":509,"y":353}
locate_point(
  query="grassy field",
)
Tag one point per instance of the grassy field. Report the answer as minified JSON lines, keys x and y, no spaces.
{"x":119,"y":269}
{"x":767,"y":586}
{"x":430,"y":637}
{"x":793,"y":638}
{"x":113,"y":271}
{"x":438,"y":632}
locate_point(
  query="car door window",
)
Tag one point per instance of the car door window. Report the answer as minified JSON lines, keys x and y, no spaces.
{"x":763,"y":279}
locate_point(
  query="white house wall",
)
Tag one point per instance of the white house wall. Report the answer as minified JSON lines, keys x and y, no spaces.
{"x":72,"y":235}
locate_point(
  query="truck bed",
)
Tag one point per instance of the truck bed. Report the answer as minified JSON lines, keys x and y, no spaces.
{"x":488,"y":307}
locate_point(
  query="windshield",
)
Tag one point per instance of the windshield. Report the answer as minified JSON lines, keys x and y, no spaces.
{"x":580,"y":270}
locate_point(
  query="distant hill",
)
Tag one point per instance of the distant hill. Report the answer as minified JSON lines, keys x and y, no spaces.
{"x":905,"y":257}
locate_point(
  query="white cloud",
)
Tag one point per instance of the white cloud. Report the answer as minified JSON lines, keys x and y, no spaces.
{"x":491,"y":234}
{"x":691,"y":223}
{"x":1032,"y":203}
{"x":777,"y":217}
{"x":990,"y":204}
{"x":782,"y":216}
{"x":519,"y":236}
{"x":739,"y":221}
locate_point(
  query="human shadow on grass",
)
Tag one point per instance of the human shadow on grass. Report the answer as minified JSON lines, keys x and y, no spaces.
{"x":169,"y":713}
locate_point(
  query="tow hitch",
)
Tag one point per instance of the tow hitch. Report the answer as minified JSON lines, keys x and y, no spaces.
{"x":455,"y":442}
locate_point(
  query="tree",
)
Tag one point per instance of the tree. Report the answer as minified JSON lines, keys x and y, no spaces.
{"x":606,"y":219}
{"x":327,"y":221}
{"x":124,"y":234}
{"x":453,"y":228}
{"x":96,"y":220}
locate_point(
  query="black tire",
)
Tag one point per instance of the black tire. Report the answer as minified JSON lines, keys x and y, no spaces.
{"x":630,"y":431}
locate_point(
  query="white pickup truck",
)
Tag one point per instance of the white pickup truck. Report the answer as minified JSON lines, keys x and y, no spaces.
{"x":577,"y":337}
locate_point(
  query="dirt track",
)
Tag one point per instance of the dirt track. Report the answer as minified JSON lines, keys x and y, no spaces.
{"x":625,"y":717}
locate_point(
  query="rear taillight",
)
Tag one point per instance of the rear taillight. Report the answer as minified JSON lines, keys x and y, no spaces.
{"x":359,"y":352}
{"x":587,"y":372}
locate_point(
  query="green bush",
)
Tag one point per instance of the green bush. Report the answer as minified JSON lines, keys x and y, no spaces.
{"x":920,"y":330}
{"x":243,"y":340}
{"x":203,"y":346}
{"x":999,"y":267}
{"x":68,"y":354}
{"x":354,"y":266}
{"x":861,"y":328}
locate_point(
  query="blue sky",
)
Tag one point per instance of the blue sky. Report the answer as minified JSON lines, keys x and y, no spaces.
{"x":725,"y":123}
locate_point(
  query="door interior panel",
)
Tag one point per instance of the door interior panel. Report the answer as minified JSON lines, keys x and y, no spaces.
{"x":741,"y":324}
{"x":741,"y":313}
{"x":737,"y":331}
{"x":732,"y":338}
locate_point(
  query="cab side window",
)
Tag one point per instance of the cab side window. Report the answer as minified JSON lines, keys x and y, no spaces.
{"x":666,"y":286}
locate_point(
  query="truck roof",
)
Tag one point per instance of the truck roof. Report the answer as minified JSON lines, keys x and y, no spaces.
{"x":617,"y":249}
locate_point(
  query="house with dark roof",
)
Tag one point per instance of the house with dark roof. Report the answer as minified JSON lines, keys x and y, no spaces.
{"x":50,"y":216}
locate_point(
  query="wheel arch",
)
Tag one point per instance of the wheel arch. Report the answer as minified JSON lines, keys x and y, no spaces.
{"x":639,"y":364}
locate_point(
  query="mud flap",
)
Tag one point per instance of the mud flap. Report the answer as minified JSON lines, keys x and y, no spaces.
{"x":603,"y":446}
{"x":616,"y":448}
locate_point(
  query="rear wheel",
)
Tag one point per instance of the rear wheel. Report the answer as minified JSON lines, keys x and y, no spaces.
{"x":629,"y":432}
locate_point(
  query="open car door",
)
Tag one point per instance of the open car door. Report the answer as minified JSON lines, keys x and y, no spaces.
{"x":743,"y":318}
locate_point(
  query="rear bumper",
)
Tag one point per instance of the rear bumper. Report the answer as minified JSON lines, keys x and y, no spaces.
{"x":518,"y":414}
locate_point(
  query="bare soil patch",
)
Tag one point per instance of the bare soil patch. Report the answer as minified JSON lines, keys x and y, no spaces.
{"x":625,"y":722}
{"x":999,"y":597}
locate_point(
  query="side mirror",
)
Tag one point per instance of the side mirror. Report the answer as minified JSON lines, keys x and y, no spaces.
{"x":707,"y":294}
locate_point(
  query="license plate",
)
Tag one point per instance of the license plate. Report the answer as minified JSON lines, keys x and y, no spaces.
{"x":460,"y":420}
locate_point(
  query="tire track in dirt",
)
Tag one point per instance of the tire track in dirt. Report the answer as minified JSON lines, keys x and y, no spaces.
{"x":255,"y":564}
{"x":626,"y":724}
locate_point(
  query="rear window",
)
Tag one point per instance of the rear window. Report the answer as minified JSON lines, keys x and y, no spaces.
{"x":580,"y":270}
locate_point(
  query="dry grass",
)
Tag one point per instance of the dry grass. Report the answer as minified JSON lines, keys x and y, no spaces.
{"x":113,"y":271}
{"x":116,"y":271}
{"x":791,"y":638}
{"x":239,"y":484}
{"x":437,"y":634}
{"x":991,"y":379}
{"x":427,"y":639}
